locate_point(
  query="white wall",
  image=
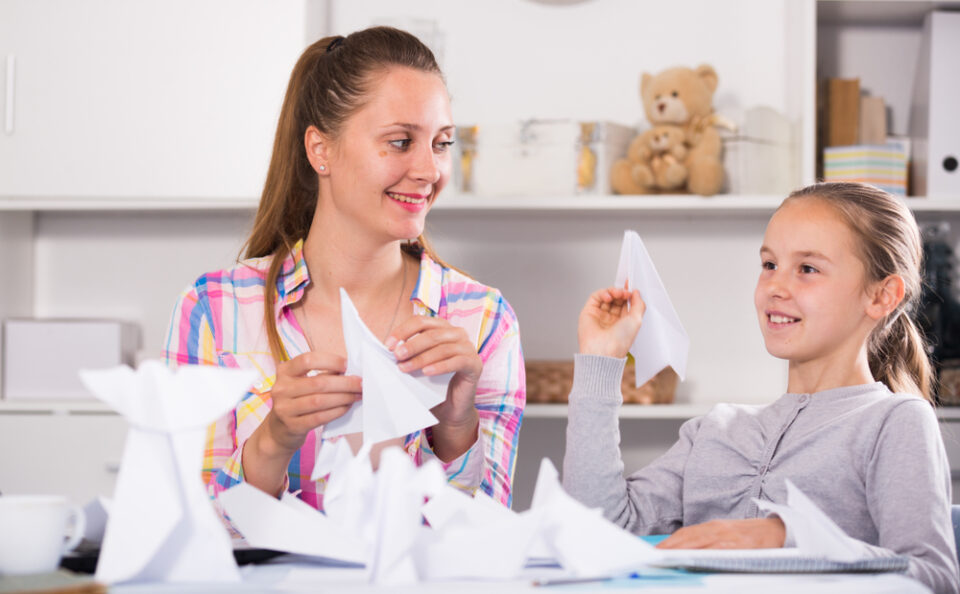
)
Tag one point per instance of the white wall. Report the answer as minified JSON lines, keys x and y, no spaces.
{"x":517,"y":59}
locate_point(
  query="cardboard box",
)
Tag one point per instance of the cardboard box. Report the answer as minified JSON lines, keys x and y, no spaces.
{"x":42,"y":358}
{"x":543,"y":157}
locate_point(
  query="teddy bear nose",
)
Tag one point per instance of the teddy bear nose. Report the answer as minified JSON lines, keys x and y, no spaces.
{"x":661,"y":107}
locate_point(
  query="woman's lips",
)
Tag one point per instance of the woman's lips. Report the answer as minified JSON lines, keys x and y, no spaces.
{"x":411,"y":202}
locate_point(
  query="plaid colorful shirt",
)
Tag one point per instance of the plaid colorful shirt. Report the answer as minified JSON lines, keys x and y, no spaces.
{"x":219,"y":321}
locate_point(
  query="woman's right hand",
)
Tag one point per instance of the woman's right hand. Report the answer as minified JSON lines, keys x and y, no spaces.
{"x":609,"y":322}
{"x":304,"y":400}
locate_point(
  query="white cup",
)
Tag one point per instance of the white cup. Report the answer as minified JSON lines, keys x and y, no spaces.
{"x":32,"y":529}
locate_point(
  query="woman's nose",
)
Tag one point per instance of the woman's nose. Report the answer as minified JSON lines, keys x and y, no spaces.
{"x":425,"y":166}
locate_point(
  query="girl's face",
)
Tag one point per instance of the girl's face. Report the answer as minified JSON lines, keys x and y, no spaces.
{"x":811,"y":297}
{"x":393,"y":155}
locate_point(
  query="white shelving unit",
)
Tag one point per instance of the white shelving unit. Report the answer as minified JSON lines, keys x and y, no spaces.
{"x":71,"y":251}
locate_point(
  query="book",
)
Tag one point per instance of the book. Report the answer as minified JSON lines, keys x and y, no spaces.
{"x":873,"y":121}
{"x":843,"y":111}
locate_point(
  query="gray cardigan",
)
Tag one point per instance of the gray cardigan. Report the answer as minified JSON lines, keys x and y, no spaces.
{"x":872,"y":460}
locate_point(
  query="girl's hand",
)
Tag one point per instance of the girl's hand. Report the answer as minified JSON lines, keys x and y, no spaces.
{"x":760,"y":533}
{"x":435,"y":346}
{"x":606,"y":326}
{"x":304,"y":399}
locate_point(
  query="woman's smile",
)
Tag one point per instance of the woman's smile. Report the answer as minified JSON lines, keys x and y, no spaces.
{"x":411,"y":202}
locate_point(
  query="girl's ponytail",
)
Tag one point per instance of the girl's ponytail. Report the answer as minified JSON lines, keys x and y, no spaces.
{"x":898,"y":357}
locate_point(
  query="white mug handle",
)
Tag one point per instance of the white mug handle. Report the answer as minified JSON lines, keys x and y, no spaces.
{"x":79,"y":526}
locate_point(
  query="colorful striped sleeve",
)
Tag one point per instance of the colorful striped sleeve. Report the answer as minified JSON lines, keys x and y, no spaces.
{"x":501,"y":394}
{"x":191,"y":340}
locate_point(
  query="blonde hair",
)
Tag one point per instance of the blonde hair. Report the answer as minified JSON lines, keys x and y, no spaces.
{"x":889,"y":244}
{"x":329,"y":83}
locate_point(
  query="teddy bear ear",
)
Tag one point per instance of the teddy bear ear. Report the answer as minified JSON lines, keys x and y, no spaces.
{"x":709,"y":76}
{"x":645,"y":80}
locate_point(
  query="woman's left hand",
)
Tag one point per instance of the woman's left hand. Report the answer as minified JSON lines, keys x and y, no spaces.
{"x":759,"y":533}
{"x":435,"y":346}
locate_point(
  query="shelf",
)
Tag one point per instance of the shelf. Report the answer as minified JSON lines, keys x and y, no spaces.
{"x":672,"y":411}
{"x":663,"y":204}
{"x":55,"y":407}
{"x":897,"y":13}
{"x":678,"y":412}
{"x":123,"y":204}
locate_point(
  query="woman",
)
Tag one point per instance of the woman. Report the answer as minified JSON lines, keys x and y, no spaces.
{"x":361,"y":153}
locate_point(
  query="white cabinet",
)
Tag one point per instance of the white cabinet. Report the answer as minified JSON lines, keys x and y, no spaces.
{"x":112,"y":98}
{"x":76,"y":454}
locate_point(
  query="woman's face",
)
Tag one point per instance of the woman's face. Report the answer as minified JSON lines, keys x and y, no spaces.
{"x":811,"y":296}
{"x":393,"y":155}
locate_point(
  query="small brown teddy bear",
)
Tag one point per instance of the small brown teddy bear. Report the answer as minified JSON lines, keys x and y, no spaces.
{"x":658,"y":156}
{"x":681,"y":97}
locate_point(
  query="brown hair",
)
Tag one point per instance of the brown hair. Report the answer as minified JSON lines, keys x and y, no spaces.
{"x":329,"y":83}
{"x":889,"y":243}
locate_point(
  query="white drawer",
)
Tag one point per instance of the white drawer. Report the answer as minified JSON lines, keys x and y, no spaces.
{"x":76,"y":455}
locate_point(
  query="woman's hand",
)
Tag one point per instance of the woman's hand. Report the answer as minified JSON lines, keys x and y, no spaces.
{"x":607,"y":326}
{"x":435,"y":346}
{"x":304,"y":399}
{"x":760,"y":533}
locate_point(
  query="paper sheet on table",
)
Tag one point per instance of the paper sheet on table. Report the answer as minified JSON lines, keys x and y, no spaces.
{"x":581,"y":539}
{"x":474,"y":537}
{"x":161,"y":525}
{"x":815,"y":533}
{"x":289,"y":525}
{"x":662,"y":340}
{"x":394,"y":403}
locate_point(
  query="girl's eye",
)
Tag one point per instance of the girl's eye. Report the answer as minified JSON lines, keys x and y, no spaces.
{"x":443,"y":146}
{"x":768,"y":265}
{"x":400,"y":143}
{"x":807,"y":269}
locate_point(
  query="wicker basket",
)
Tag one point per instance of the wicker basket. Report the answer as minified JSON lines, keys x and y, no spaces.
{"x":949,"y":392}
{"x":550,"y":382}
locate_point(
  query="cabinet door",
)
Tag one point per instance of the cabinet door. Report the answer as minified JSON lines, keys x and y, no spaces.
{"x":113,"y":98}
{"x":58,"y":454}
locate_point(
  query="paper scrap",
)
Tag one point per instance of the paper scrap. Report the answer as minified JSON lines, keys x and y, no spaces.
{"x":815,"y":533}
{"x":394,"y":403}
{"x":662,"y":340}
{"x":161,"y":526}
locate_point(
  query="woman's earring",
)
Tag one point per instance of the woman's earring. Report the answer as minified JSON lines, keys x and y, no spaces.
{"x":323,"y":168}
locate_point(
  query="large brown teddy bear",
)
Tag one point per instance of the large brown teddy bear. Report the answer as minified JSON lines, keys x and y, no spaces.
{"x":679,"y":97}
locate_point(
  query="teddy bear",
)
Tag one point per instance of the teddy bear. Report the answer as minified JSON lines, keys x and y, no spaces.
{"x":680,"y":97}
{"x":658,"y":156}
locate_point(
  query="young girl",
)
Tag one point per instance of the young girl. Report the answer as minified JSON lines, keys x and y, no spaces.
{"x":360,"y":155}
{"x":840,"y":274}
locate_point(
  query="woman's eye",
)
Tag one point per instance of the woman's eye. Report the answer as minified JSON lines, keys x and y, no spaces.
{"x":768,"y":265}
{"x":400,"y":143}
{"x":443,"y":146}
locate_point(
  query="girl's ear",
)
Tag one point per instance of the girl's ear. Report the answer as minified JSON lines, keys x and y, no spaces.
{"x":317,"y":146}
{"x":886,"y":296}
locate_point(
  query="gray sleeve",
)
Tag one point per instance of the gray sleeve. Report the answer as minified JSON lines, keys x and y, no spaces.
{"x":647,"y":502}
{"x":908,"y":495}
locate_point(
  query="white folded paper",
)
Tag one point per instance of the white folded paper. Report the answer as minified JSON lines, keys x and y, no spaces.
{"x":815,"y":533}
{"x":394,"y":403}
{"x":162,"y":525}
{"x":662,"y":340}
